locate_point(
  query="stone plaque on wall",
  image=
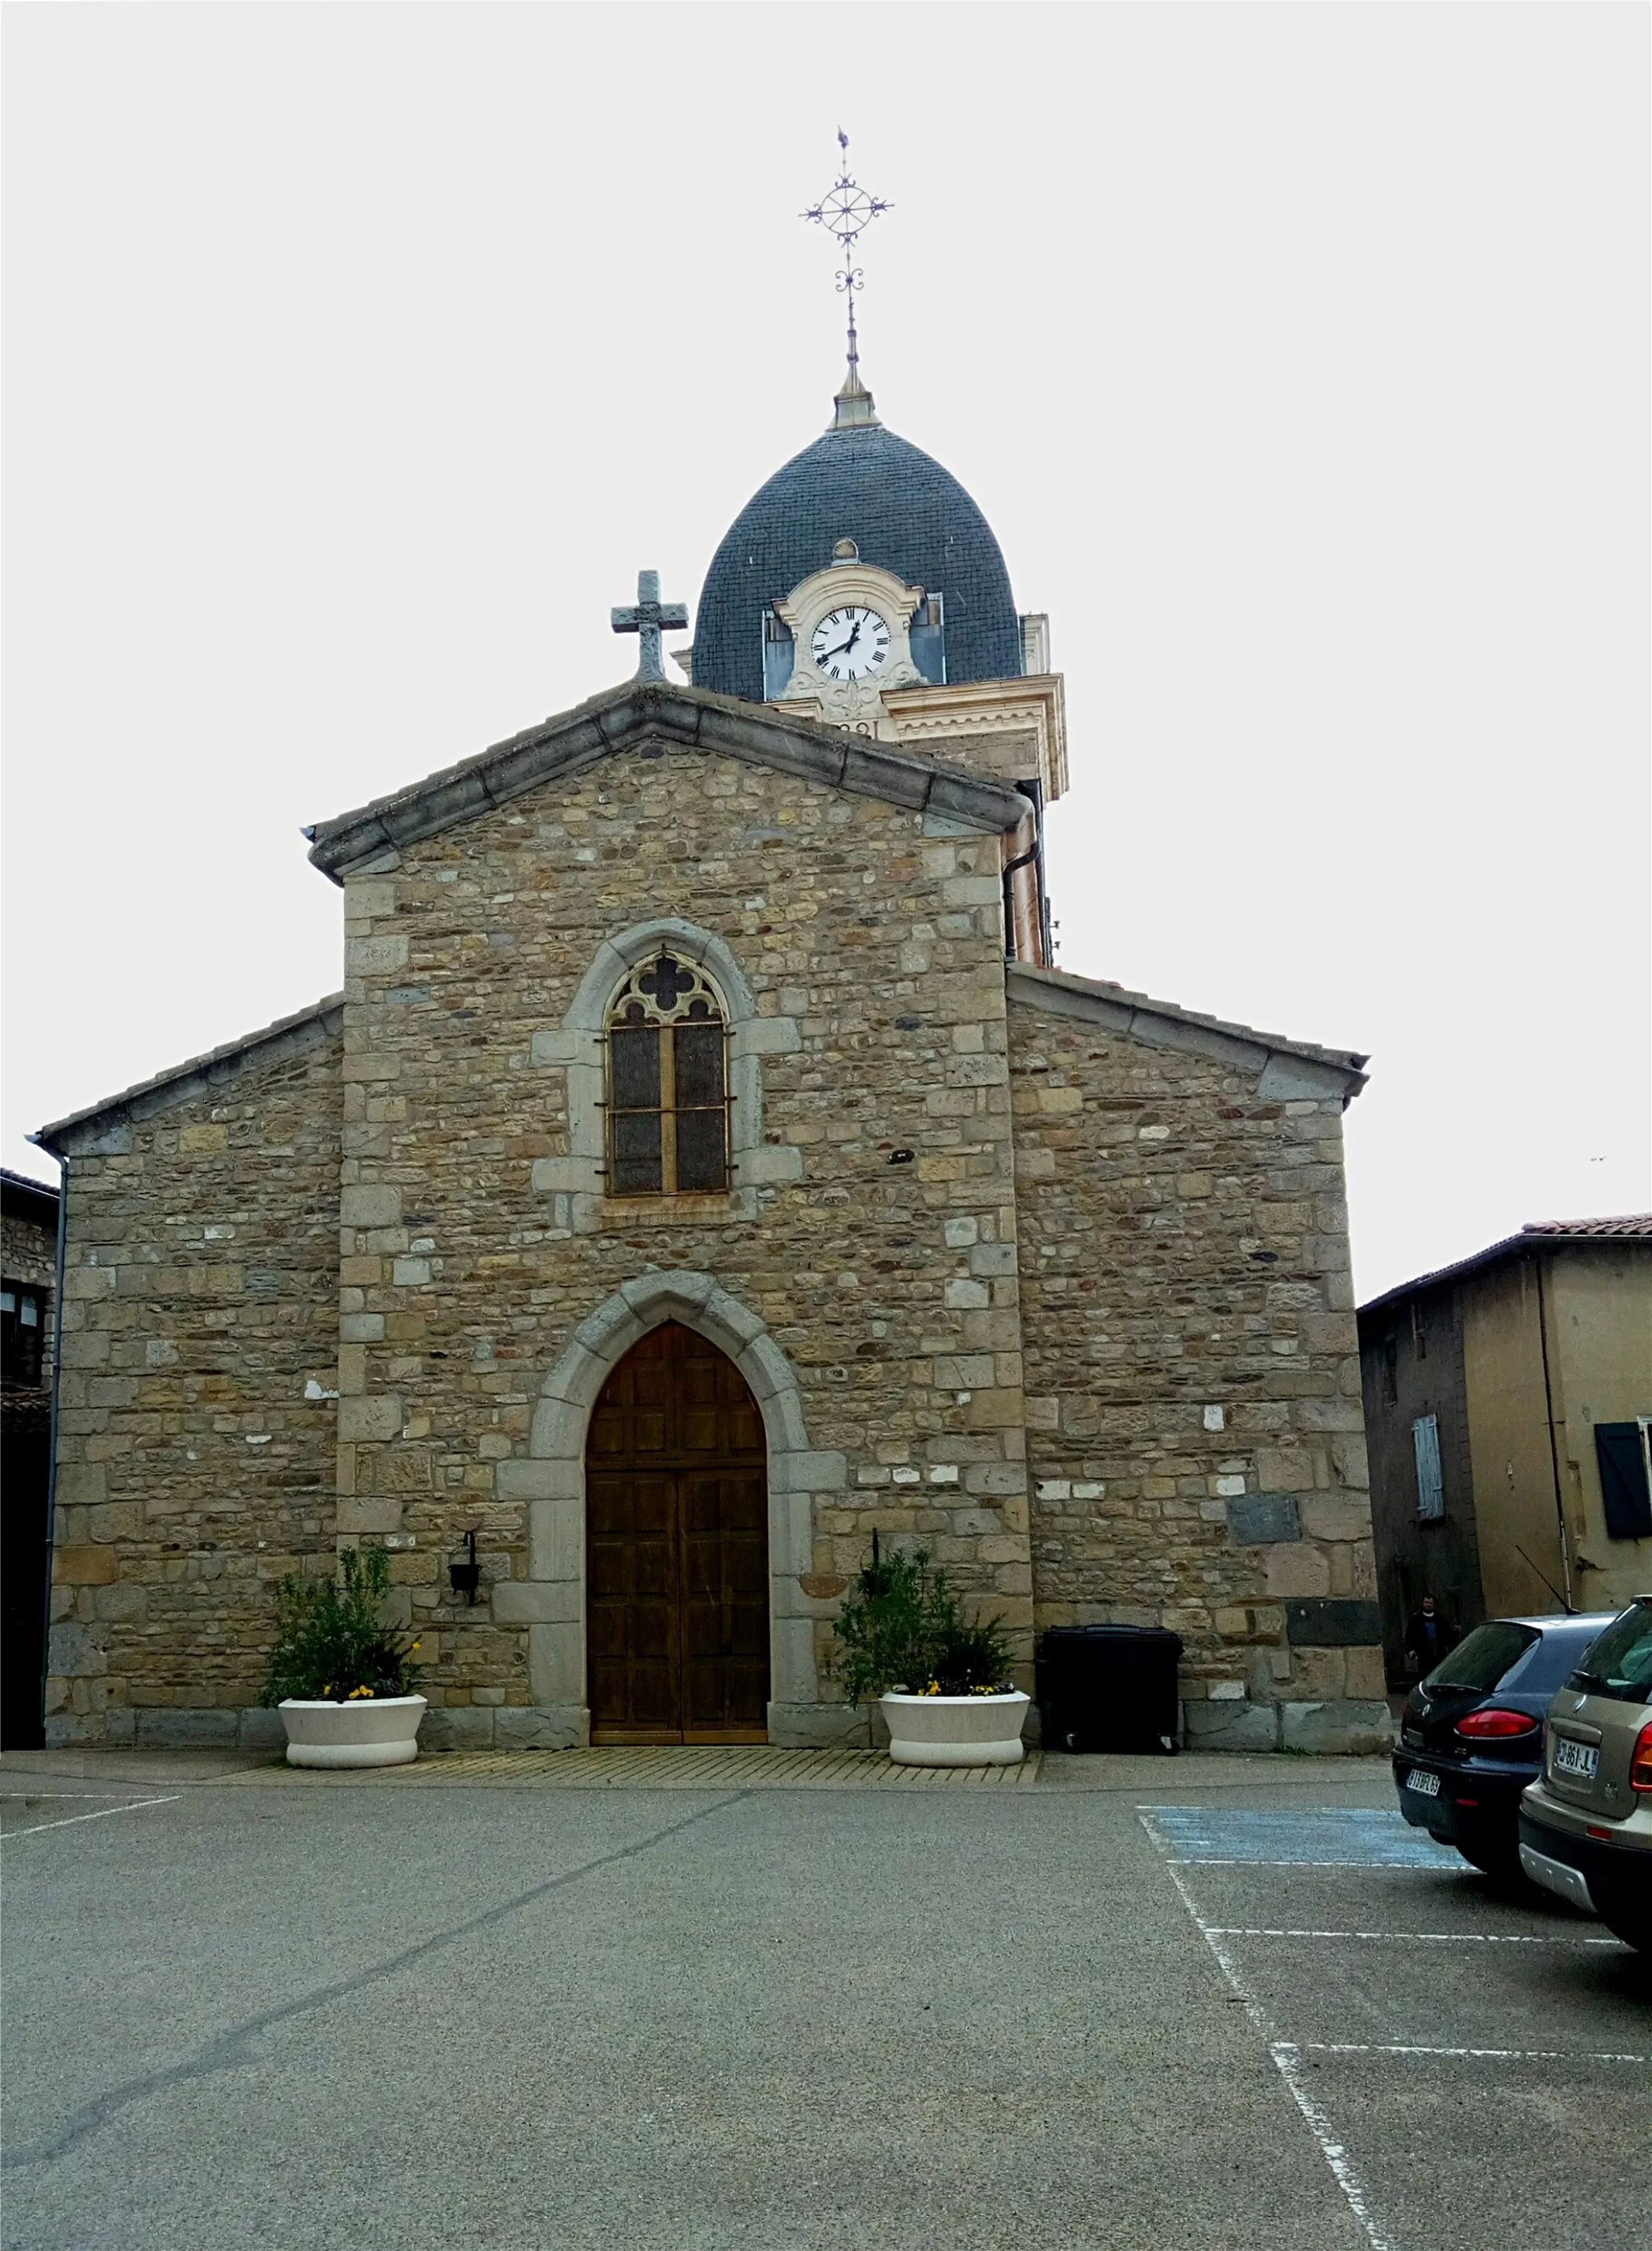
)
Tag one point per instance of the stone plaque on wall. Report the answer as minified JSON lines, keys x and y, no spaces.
{"x":1332,"y":1624}
{"x":1262,"y":1516}
{"x":394,"y":1469}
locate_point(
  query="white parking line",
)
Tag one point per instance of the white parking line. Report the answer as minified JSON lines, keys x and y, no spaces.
{"x":1400,"y":1937}
{"x":1479,"y":2055}
{"x":1286,"y":2061}
{"x":133,"y":1806}
{"x":1388,"y":1868}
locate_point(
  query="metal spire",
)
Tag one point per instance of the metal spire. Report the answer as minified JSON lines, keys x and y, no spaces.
{"x":844,"y":212}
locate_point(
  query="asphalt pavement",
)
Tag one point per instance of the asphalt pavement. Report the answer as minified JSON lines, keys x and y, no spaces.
{"x":1205,"y":2003}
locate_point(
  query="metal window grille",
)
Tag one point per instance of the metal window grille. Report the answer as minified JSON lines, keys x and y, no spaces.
{"x":667,"y":1084}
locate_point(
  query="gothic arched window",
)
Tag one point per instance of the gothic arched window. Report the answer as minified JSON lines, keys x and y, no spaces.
{"x":668,"y":1084}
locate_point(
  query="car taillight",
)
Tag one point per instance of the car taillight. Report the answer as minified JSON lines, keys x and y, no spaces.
{"x":1641,"y":1761}
{"x":1496,"y":1722}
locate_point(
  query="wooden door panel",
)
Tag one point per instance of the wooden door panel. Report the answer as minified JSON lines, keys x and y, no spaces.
{"x":631,"y":1607}
{"x":743,"y":1431}
{"x":725,"y":1601}
{"x":677,"y":1547}
{"x":702,"y":1426}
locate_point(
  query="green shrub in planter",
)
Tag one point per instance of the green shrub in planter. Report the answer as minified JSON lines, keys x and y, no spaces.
{"x":901,"y":1627}
{"x":331,"y":1644}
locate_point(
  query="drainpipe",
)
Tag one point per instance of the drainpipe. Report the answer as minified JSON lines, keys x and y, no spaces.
{"x":1554,"y":1450}
{"x":1034,"y":792}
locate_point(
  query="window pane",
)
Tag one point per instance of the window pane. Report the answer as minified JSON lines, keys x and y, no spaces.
{"x":635,"y":1069}
{"x":1619,"y":1664}
{"x":1547,"y":1664}
{"x":699,"y":1065}
{"x":1481,"y":1661}
{"x":635,"y":1144}
{"x":701,"y":1161}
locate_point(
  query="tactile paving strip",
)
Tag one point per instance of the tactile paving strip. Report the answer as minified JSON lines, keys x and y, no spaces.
{"x":667,"y":1766}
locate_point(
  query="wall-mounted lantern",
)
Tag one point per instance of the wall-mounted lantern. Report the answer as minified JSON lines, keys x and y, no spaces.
{"x":465,"y":1578}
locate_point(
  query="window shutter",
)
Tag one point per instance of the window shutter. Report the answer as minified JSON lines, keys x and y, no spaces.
{"x":1431,"y":1491}
{"x":927,"y":637}
{"x":1621,"y":1451}
{"x":779,"y":657}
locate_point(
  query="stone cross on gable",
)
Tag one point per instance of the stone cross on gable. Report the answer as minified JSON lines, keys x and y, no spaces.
{"x":646,"y":620}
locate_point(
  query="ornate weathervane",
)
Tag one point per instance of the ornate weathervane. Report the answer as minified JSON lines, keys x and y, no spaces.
{"x":846,"y":211}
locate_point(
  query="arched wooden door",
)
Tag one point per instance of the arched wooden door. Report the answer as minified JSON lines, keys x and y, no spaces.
{"x":677,"y":1548}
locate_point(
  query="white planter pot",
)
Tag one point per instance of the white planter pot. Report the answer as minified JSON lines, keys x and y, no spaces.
{"x":374,"y":1731}
{"x":955,"y":1730}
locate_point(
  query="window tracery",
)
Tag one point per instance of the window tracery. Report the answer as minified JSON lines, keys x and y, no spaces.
{"x":668,"y":1083}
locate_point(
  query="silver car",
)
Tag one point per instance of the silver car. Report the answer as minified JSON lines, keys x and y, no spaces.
{"x":1585,"y":1824}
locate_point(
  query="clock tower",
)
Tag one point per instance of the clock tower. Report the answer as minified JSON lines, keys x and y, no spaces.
{"x":863,"y":587}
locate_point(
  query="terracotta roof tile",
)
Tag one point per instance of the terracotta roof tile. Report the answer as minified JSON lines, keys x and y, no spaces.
{"x":1632,"y":1224}
{"x":1536,"y":1235}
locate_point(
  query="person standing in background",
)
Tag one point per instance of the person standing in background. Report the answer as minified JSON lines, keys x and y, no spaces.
{"x":1430,"y":1634}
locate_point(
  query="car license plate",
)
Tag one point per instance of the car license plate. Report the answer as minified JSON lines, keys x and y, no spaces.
{"x":1426,"y":1785}
{"x":1578,"y":1759}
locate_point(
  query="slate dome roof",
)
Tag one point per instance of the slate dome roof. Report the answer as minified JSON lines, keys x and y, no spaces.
{"x":904,"y":511}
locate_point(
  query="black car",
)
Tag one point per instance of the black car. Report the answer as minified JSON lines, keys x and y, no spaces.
{"x":1471,"y":1738}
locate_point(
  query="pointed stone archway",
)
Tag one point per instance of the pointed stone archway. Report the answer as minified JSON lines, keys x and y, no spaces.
{"x":551,"y":1602}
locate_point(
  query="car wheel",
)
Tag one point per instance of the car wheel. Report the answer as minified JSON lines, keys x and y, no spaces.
{"x":1492,"y":1858}
{"x":1629,"y":1920}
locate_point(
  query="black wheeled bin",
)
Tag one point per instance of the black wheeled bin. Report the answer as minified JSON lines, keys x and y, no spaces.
{"x":1109,"y":1688}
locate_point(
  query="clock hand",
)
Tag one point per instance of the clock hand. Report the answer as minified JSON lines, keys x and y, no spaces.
{"x":843,"y":646}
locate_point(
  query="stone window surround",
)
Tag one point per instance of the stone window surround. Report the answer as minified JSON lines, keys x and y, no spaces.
{"x":551,"y":1602}
{"x":575,"y":1183}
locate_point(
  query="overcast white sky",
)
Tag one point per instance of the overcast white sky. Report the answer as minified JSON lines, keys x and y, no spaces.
{"x":357,"y":356}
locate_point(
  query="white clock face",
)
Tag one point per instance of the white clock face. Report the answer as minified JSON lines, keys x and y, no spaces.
{"x":851,"y":643}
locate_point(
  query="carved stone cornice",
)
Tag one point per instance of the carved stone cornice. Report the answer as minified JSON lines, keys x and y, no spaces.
{"x":1036,"y":704}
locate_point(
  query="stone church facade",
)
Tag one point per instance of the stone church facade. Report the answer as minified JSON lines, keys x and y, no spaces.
{"x":691,"y":1024}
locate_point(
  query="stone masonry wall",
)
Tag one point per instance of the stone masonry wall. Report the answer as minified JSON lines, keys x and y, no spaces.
{"x":29,"y":1253}
{"x":1194,"y":1424}
{"x":199,"y":1298}
{"x":873,"y":948}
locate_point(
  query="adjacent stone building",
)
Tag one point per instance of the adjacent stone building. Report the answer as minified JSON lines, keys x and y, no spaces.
{"x":704,"y":1165}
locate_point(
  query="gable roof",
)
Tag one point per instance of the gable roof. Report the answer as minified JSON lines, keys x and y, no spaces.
{"x":1291,"y":1070}
{"x":642,"y":711}
{"x":306,"y":1028}
{"x":1536,"y":1235}
{"x":35,"y":1202}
